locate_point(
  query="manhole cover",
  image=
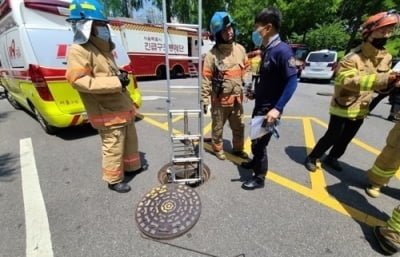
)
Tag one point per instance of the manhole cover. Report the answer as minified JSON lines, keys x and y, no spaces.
{"x":188,"y":171}
{"x":168,"y":211}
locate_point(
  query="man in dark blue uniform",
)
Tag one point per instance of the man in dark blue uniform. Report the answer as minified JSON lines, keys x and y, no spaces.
{"x":276,"y":85}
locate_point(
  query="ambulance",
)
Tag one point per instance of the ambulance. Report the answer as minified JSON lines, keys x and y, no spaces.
{"x":34,"y":41}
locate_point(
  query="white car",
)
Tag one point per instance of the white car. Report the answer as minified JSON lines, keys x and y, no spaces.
{"x":319,"y":65}
{"x":396,"y":67}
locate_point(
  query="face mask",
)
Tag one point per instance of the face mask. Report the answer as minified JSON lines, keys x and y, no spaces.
{"x":379,"y":42}
{"x":257,"y":38}
{"x":103,"y":33}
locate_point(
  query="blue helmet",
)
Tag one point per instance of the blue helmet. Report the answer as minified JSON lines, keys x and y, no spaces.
{"x":86,"y":10}
{"x":219,"y":21}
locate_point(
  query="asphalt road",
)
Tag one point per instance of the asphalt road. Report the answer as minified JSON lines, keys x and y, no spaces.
{"x":54,"y":203}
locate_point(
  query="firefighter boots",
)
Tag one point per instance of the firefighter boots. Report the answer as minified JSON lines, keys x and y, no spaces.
{"x":120,"y":187}
{"x":373,"y":191}
{"x":220,"y":155}
{"x":383,"y":234}
{"x":240,"y":153}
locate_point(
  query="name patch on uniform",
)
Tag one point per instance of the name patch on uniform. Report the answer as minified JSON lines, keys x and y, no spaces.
{"x":292,"y":62}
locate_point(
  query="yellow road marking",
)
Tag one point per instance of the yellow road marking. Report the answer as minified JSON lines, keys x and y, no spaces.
{"x":317,"y":177}
{"x":318,"y":191}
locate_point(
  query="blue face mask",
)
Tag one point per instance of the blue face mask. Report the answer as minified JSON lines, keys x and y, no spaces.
{"x":103,"y":33}
{"x":257,"y":38}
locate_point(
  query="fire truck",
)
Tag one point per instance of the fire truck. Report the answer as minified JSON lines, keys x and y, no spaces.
{"x":145,"y":46}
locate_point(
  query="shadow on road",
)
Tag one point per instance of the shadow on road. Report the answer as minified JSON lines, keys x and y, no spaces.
{"x":7,"y":167}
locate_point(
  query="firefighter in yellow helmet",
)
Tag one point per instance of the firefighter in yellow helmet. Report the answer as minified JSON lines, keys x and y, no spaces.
{"x":365,"y":69}
{"x":92,"y":70}
{"x":226,"y":69}
{"x":388,"y":236}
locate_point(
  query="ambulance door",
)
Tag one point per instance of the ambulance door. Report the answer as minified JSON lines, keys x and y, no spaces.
{"x":14,"y":60}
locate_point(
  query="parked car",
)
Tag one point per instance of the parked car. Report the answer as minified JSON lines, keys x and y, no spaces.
{"x":396,"y":67}
{"x":300,"y":52}
{"x":319,"y":65}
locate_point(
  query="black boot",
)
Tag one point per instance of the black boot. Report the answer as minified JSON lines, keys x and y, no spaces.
{"x":333,"y":163}
{"x":310,"y":163}
{"x":120,"y":187}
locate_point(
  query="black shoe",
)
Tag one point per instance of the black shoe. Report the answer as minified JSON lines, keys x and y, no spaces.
{"x":253,"y":183}
{"x":134,"y":172}
{"x":391,"y":118}
{"x":120,"y":187}
{"x":333,"y":163}
{"x":387,"y":246}
{"x":247,"y":165}
{"x":310,"y":163}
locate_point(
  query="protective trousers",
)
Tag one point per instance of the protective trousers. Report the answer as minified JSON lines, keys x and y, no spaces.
{"x":219,"y":117}
{"x":391,"y":232}
{"x":120,"y":152}
{"x":388,"y":161}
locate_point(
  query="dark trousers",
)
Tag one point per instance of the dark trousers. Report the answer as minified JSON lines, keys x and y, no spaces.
{"x":259,"y":147}
{"x":260,"y":157}
{"x":339,"y":134}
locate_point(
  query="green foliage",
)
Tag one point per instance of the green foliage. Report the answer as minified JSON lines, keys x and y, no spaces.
{"x":326,"y":36}
{"x":314,"y":22}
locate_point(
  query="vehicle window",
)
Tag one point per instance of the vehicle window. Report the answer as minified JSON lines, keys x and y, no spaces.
{"x":321,"y":57}
{"x":53,"y":51}
{"x":300,"y":54}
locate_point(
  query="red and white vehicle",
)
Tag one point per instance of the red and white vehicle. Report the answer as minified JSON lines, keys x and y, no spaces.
{"x":34,"y":41}
{"x":145,"y":45}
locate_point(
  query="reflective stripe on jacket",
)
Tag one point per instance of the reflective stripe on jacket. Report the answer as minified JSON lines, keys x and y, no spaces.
{"x":92,"y":71}
{"x":358,"y":74}
{"x":232,"y":61}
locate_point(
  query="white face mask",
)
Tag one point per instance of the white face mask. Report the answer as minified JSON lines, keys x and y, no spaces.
{"x":103,"y":33}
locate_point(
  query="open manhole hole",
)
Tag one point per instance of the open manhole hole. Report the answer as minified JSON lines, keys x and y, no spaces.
{"x":168,"y":211}
{"x":186,"y":171}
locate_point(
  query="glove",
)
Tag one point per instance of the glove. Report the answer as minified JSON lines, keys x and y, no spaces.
{"x":123,"y":78}
{"x":205,"y":108}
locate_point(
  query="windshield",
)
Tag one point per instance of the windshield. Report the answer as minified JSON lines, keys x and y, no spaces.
{"x":53,"y":51}
{"x":321,"y":57}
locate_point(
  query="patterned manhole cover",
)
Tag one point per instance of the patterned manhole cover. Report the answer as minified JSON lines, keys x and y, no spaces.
{"x":168,"y":211}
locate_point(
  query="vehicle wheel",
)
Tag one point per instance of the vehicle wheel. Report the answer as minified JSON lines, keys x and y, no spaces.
{"x":161,"y":72}
{"x":12,"y":100}
{"x":302,"y":80}
{"x":177,"y":72}
{"x":51,"y":130}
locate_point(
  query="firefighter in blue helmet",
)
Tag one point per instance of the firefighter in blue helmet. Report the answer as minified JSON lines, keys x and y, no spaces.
{"x":92,"y":71}
{"x":226,"y":69}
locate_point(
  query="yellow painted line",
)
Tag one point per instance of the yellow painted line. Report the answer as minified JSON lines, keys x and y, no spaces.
{"x":325,"y":199}
{"x":207,"y":128}
{"x":317,"y":177}
{"x":318,"y":190}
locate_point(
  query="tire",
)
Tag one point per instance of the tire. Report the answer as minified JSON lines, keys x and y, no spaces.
{"x":51,"y":130}
{"x":161,"y":72}
{"x":12,"y":100}
{"x":177,"y":72}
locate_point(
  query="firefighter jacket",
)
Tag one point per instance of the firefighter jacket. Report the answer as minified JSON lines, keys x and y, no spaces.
{"x":230,"y":62}
{"x":92,"y":71}
{"x":358,"y":74}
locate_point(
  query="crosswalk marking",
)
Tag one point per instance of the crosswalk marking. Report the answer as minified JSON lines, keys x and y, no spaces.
{"x":38,"y":237}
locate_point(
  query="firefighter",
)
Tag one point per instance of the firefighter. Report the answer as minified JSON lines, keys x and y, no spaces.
{"x":365,"y":69}
{"x":276,"y":85}
{"x":226,"y":69}
{"x":386,"y":164}
{"x":92,"y":71}
{"x":388,"y":236}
